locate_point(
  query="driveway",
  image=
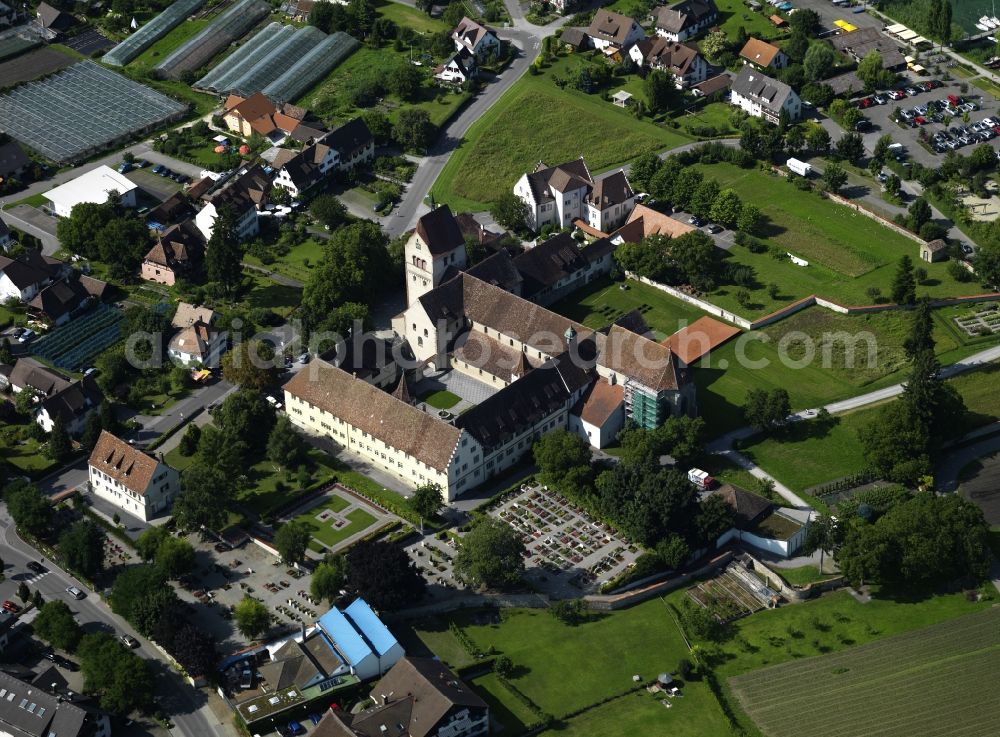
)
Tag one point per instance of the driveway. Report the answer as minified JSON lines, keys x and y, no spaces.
{"x":34,"y":222}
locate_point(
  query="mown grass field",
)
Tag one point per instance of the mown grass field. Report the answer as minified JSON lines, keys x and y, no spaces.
{"x":298,"y":263}
{"x":848,"y":253}
{"x":564,"y":668}
{"x":536,"y":121}
{"x":165,"y":46}
{"x":850,"y":353}
{"x":934,"y":681}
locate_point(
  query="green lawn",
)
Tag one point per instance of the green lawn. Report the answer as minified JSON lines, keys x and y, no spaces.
{"x":24,"y":454}
{"x":358,"y":520}
{"x":697,"y":714}
{"x":715,"y":115}
{"x":804,"y":575}
{"x":267,"y":293}
{"x":433,"y":637}
{"x":536,"y":121}
{"x":734,"y":14}
{"x":847,"y":252}
{"x":165,"y":46}
{"x":810,"y":453}
{"x":298,"y":263}
{"x":442,"y":399}
{"x":986,"y":86}
{"x":602,"y":654}
{"x":601,"y":302}
{"x":509,"y":711}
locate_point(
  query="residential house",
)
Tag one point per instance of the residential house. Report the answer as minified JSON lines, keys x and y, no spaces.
{"x":258,"y":114}
{"x":418,"y":697}
{"x":477,"y":39}
{"x":434,"y":247}
{"x":645,"y":221}
{"x":93,"y":186}
{"x":762,"y":55}
{"x":20,"y":280}
{"x":353,"y":142}
{"x":200,"y":344}
{"x":613,"y":31}
{"x":72,"y":404}
{"x":574,"y":38}
{"x":245,"y":196}
{"x":307,"y":168}
{"x":53,"y":20}
{"x":178,"y":254}
{"x":175,"y":209}
{"x":31,"y":707}
{"x":13,"y":161}
{"x":858,"y":44}
{"x":187,"y":315}
{"x":8,"y":16}
{"x":135,"y":482}
{"x":760,"y":523}
{"x":58,"y":302}
{"x":681,"y":61}
{"x":685,"y":20}
{"x":763,"y":97}
{"x":28,"y":373}
{"x":458,"y":69}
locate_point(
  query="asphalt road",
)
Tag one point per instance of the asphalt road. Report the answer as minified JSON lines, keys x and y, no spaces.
{"x":188,"y":707}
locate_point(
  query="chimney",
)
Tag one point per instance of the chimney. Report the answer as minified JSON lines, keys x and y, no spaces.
{"x":385,"y":700}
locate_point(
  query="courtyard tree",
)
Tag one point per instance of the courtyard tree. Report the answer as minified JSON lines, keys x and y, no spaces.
{"x":511,"y":212}
{"x":252,"y":617}
{"x":141,"y":595}
{"x":82,"y":547}
{"x":818,"y":140}
{"x":292,"y":540}
{"x":175,"y":556}
{"x":904,"y":283}
{"x":59,"y":446}
{"x":491,"y":555}
{"x":427,"y":500}
{"x":767,"y":409}
{"x":224,"y":252}
{"x":818,"y":62}
{"x":850,"y":147}
{"x":28,"y":507}
{"x":727,"y":208}
{"x":204,"y":497}
{"x":149,"y":541}
{"x":246,"y":415}
{"x":285,"y":446}
{"x":834,"y":177}
{"x":826,"y":535}
{"x":329,"y":578}
{"x":56,"y":625}
{"x":382,"y":573}
{"x":251,"y":364}
{"x":563,"y":460}
{"x":328,"y":210}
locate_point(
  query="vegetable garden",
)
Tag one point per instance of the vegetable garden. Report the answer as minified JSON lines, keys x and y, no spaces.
{"x":76,"y":343}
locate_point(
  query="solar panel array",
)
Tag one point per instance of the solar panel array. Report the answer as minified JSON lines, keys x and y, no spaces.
{"x":151,"y":32}
{"x":80,"y":110}
{"x":217,"y":35}
{"x":280,"y":61}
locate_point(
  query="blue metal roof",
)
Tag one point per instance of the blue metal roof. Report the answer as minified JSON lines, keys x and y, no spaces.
{"x":371,"y":626}
{"x":344,"y":635}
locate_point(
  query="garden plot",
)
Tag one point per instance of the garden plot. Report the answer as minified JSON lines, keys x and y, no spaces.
{"x":339,"y":518}
{"x":980,"y":321}
{"x":732,"y":594}
{"x":563,"y":541}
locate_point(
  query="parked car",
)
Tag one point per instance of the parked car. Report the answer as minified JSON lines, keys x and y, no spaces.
{"x":897,"y":94}
{"x":862,"y":125}
{"x":967,"y":249}
{"x":130,"y":642}
{"x":911,"y":91}
{"x":295,"y":728}
{"x":141,"y":164}
{"x":124,"y":167}
{"x":713,"y":228}
{"x":11,"y":607}
{"x":26,"y":336}
{"x":695,"y":221}
{"x":75,"y":592}
{"x":880,"y":99}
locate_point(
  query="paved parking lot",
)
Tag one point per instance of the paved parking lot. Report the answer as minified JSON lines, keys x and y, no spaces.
{"x":569,"y":552}
{"x":223,"y":577}
{"x":881,"y":124}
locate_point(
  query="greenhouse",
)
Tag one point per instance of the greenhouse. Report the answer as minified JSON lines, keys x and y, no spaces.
{"x":312,"y":67}
{"x":256,"y":48}
{"x":283,"y":63}
{"x":151,"y":32}
{"x":216,"y":36}
{"x":72,"y":114}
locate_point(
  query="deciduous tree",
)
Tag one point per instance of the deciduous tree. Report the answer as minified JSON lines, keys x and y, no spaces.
{"x":491,"y":555}
{"x":252,"y":618}
{"x":56,"y":625}
{"x":383,"y":574}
